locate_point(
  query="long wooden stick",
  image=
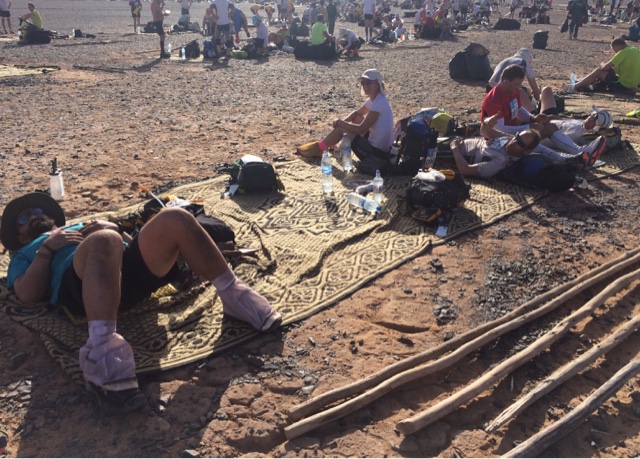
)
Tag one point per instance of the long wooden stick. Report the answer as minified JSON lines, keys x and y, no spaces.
{"x":298,"y":428}
{"x":441,"y":409}
{"x":317,"y":403}
{"x":545,"y":438}
{"x":565,"y":373}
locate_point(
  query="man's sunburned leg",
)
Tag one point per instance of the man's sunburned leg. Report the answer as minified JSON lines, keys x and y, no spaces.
{"x":175,"y":231}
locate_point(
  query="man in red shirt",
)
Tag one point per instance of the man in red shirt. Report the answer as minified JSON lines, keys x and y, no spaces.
{"x":504,"y":100}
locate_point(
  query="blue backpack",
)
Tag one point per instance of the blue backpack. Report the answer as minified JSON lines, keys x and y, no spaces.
{"x":538,"y":170}
{"x":208,"y":49}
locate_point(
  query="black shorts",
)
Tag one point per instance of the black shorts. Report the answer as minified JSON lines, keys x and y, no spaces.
{"x":259,"y":42}
{"x":158,"y":28}
{"x":134,"y":14}
{"x":137,"y":282}
{"x":550,"y":111}
{"x":5,"y":14}
{"x":368,"y":17}
{"x":223,"y":28}
{"x":184,"y":11}
{"x":362,"y":148}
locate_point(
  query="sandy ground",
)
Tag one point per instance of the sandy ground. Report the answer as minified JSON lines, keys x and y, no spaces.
{"x":114,"y":114}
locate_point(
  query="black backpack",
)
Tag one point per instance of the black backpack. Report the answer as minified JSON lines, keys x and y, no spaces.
{"x":254,"y":177}
{"x":458,"y":66}
{"x":540,"y":39}
{"x":436,"y":197}
{"x":415,"y":140}
{"x":538,"y":170}
{"x":192,"y":49}
{"x":507,"y":24}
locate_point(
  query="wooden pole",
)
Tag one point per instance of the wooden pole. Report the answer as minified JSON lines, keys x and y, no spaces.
{"x":298,"y":428}
{"x":545,"y":438}
{"x":581,"y":283}
{"x":565,"y":373}
{"x":441,"y":409}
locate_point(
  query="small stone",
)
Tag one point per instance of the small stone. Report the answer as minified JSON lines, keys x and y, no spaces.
{"x":307,"y":390}
{"x":190,"y":453}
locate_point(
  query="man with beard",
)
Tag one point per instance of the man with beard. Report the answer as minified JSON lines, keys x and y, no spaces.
{"x":92,"y":271}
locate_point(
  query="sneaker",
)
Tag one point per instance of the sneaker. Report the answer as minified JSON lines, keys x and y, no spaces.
{"x":577,"y":162}
{"x":590,"y":158}
{"x":569,"y":87}
{"x":592,"y":146}
{"x":117,"y":401}
{"x":165,"y":56}
{"x":272,"y":323}
{"x":310,"y":150}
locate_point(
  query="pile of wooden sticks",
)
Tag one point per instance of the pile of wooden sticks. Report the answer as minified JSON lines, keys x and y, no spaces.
{"x":323,"y":409}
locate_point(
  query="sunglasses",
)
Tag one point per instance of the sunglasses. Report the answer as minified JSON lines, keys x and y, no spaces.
{"x":24,"y":218}
{"x":366,"y":82}
{"x":520,"y":142}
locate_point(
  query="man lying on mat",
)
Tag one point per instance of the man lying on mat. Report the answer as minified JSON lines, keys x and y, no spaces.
{"x":93,"y":272}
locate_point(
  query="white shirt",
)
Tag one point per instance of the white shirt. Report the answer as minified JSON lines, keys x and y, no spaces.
{"x":186,"y":4}
{"x":417,"y":20}
{"x":430,"y":5}
{"x":497,"y":73}
{"x":381,"y":133}
{"x":262,"y":31}
{"x":4,"y":5}
{"x":490,"y":155}
{"x":369,"y":6}
{"x":222,"y":8}
{"x":351,"y":38}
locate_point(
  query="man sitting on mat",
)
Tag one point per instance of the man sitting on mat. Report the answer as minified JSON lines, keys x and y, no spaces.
{"x":93,"y":272}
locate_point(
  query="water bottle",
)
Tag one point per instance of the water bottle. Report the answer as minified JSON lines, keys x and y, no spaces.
{"x":169,"y":48}
{"x":432,"y":150}
{"x":395,"y":152}
{"x":327,"y":176}
{"x":345,"y":148}
{"x":56,"y":184}
{"x":73,"y":33}
{"x":574,"y":78}
{"x":378,"y":184}
{"x":360,"y":201}
{"x":183,"y":53}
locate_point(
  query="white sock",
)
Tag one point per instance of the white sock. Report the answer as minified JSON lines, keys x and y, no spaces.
{"x":551,"y":153}
{"x":560,"y":140}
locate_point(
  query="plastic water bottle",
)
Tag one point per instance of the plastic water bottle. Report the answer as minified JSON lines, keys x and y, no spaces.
{"x":574,"y":78}
{"x":432,"y":150}
{"x":56,"y":185}
{"x":378,"y":184}
{"x":327,"y":176}
{"x":169,"y":48}
{"x":360,"y":201}
{"x":183,"y":53}
{"x":345,"y":148}
{"x":73,"y":33}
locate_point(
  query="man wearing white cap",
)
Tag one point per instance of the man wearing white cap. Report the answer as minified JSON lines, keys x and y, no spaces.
{"x":522,"y":58}
{"x":349,"y":41}
{"x":374,"y":118}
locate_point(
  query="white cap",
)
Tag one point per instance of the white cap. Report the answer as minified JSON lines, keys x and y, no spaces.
{"x":374,"y":74}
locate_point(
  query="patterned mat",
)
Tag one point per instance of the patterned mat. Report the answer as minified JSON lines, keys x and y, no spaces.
{"x":313,"y":251}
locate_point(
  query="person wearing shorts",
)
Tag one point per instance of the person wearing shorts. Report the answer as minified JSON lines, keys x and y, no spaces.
{"x":5,"y":14}
{"x":369,"y":10}
{"x":90,"y":269}
{"x":136,"y":9}
{"x":620,"y":74}
{"x":158,"y":14}
{"x":223,"y":29}
{"x":370,"y":127}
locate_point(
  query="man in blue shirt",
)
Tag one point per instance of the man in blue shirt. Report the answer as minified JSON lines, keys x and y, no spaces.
{"x":93,"y":271}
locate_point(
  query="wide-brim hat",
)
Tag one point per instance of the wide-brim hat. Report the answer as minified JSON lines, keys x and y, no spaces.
{"x":8,"y":225}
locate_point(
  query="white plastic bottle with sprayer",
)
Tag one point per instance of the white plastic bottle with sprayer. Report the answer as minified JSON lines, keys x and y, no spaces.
{"x":56,"y":185}
{"x":378,"y":186}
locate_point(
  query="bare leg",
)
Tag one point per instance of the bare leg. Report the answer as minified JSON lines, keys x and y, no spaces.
{"x":526,"y":100}
{"x":547,"y":100}
{"x":597,"y":74}
{"x":175,"y":231}
{"x":98,"y":262}
{"x":336,"y":134}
